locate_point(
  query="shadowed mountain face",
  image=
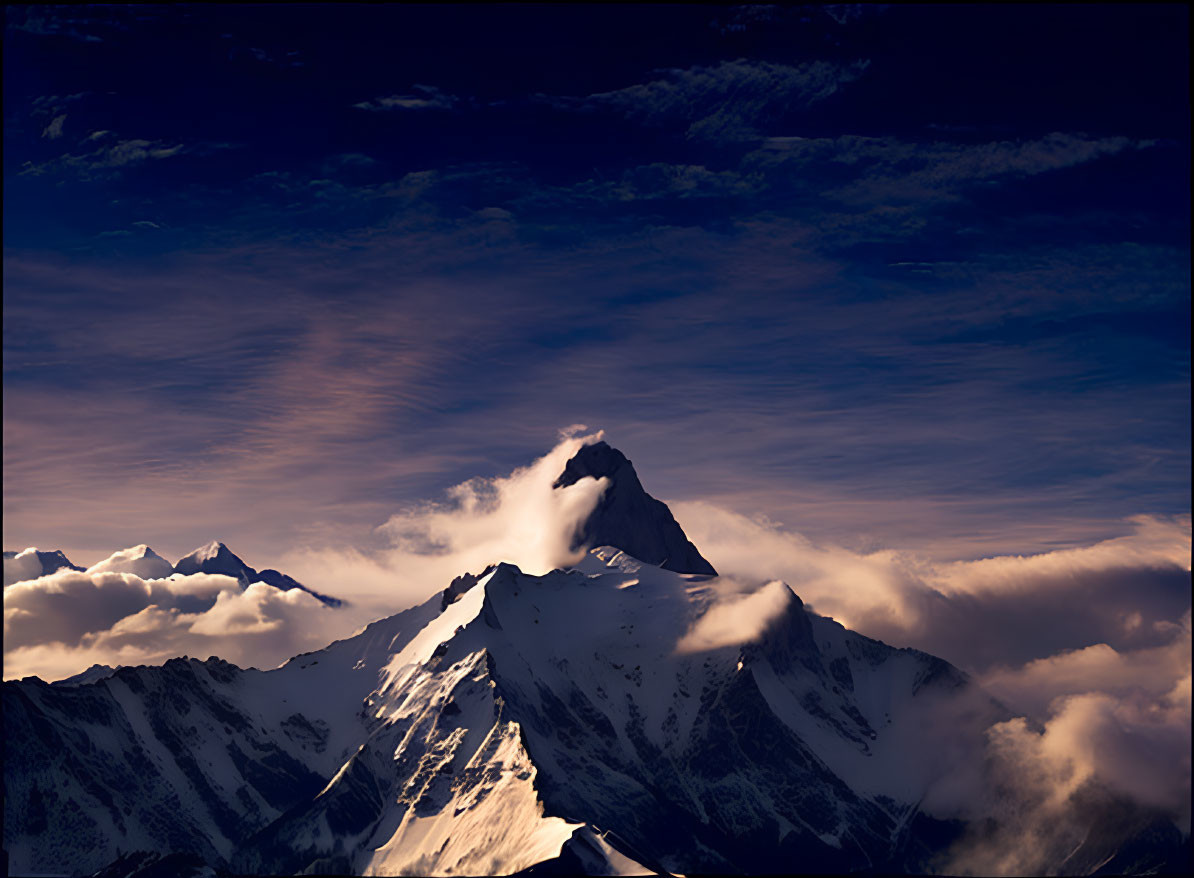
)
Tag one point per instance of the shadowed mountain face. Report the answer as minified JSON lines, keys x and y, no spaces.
{"x":627,"y":516}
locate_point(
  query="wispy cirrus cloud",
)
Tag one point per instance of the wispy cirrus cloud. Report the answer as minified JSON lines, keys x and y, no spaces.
{"x":885,"y":170}
{"x":726,"y":102}
{"x":109,"y":157}
{"x":55,"y":21}
{"x":53,"y":130}
{"x":423,"y":97}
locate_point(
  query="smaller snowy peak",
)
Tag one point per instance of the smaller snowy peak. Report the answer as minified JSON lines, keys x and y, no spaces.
{"x":286,"y":583}
{"x":215,"y":557}
{"x":32,"y":564}
{"x":139,"y":560}
{"x":627,"y":517}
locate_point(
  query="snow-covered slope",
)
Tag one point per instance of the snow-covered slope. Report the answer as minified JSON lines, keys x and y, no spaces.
{"x":188,"y":757}
{"x":91,"y":675}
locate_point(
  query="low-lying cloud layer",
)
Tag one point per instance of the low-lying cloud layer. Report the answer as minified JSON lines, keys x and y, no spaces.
{"x":1128,"y":592}
{"x":58,"y":625}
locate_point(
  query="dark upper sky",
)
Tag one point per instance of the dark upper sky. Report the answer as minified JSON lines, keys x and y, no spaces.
{"x":911,"y":276}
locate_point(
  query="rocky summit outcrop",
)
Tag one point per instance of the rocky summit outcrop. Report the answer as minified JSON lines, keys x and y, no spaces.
{"x":627,"y":516}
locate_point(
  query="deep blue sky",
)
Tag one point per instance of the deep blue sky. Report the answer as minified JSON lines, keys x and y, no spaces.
{"x":906,"y":276}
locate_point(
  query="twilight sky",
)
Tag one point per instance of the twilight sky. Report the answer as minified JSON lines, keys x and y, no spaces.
{"x":912,"y":277}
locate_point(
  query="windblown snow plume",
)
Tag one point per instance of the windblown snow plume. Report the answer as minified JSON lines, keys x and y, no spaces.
{"x":517,"y":518}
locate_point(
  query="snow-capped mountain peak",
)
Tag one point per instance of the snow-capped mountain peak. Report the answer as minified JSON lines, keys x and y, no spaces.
{"x":215,"y":557}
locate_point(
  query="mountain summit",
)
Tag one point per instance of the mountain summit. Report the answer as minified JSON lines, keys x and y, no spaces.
{"x":627,"y":516}
{"x":215,"y":557}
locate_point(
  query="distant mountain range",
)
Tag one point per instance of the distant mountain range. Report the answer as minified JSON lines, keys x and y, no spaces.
{"x":144,"y":562}
{"x":520,"y":724}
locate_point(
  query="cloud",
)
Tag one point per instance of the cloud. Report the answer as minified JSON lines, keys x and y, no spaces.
{"x":734,"y":617}
{"x":53,"y":21}
{"x":60,"y":624}
{"x":1117,"y":591}
{"x":127,"y":152}
{"x":64,"y":606}
{"x":1103,"y":767}
{"x":1152,"y":672}
{"x":119,"y":155}
{"x":726,"y":102}
{"x":426,"y":97}
{"x":54,"y":130}
{"x":862,"y":171}
{"x":25,"y":564}
{"x":518,"y":518}
{"x":1089,"y":648}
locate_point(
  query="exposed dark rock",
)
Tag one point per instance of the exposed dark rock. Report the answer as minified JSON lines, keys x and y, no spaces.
{"x":50,"y":561}
{"x":462,"y":583}
{"x":627,"y":517}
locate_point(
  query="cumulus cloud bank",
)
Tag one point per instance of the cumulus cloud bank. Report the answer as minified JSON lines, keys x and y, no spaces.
{"x":117,"y":612}
{"x":60,"y":624}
